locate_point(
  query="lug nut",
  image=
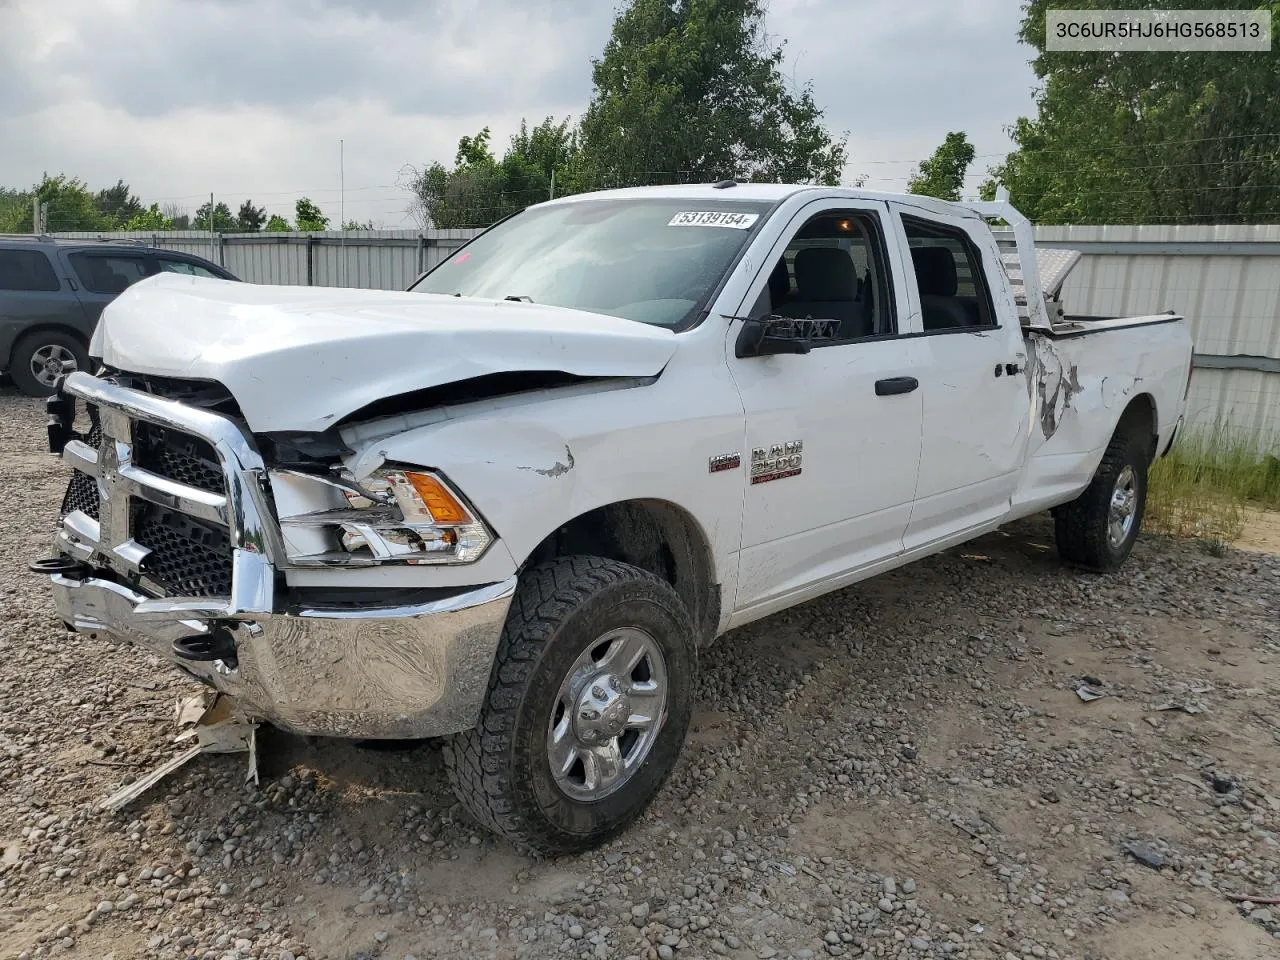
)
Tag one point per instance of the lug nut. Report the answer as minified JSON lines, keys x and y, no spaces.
{"x":598,"y":692}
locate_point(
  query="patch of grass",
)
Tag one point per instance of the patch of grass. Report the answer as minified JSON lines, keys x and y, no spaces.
{"x":1203,"y":487}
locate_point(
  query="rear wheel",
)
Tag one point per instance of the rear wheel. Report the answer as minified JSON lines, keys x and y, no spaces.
{"x":40,"y":358}
{"x":587,"y":708}
{"x":1097,"y":530}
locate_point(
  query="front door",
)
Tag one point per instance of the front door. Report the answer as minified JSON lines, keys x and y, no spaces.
{"x":973,"y":381}
{"x":832,"y":436}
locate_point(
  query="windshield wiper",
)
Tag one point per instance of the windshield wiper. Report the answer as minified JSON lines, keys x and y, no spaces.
{"x":520,"y":299}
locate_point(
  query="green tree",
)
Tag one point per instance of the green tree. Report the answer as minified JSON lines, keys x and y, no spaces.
{"x":550,"y":148}
{"x":309,"y":216}
{"x":72,"y":206}
{"x":249,"y":219}
{"x":1188,"y":137}
{"x":358,"y":225}
{"x":223,"y":221}
{"x":942,"y":175}
{"x":479,"y":189}
{"x":117,"y":204}
{"x":277,"y":224}
{"x":693,"y":90}
{"x":149,"y":219}
{"x":15,"y":210}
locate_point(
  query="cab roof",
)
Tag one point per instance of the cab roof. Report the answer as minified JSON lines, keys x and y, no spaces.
{"x":766,"y":192}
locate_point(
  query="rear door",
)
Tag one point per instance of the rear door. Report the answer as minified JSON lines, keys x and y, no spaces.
{"x":102,"y":275}
{"x":833,"y":436}
{"x":973,"y":381}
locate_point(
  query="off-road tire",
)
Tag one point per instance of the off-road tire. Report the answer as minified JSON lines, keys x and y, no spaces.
{"x":20,"y":360}
{"x":499,"y":770}
{"x":1081,"y":526}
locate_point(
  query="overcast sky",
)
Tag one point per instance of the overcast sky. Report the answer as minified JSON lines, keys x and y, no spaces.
{"x":248,"y":98}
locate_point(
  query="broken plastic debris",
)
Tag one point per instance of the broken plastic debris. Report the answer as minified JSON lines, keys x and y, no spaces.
{"x":1088,"y":694}
{"x":1189,"y":708}
{"x":217,"y":726}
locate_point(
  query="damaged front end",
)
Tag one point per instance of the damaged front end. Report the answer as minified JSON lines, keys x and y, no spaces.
{"x":177,"y":535}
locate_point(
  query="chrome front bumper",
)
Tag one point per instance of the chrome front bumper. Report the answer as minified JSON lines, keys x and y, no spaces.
{"x":400,"y":672}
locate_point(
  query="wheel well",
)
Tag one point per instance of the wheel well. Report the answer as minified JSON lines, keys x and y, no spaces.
{"x":1139,"y":417}
{"x":653,"y":535}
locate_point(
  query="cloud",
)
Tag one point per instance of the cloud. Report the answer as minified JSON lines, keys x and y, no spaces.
{"x":248,"y":98}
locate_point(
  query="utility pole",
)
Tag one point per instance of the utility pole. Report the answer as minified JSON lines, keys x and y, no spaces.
{"x":39,"y":216}
{"x":213,"y":244}
{"x":342,"y":210}
{"x":553,"y":184}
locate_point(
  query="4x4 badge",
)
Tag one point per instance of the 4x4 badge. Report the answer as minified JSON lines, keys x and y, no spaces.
{"x":723,"y":461}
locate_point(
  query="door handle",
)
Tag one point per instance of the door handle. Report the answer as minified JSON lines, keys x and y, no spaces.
{"x":892,"y":385}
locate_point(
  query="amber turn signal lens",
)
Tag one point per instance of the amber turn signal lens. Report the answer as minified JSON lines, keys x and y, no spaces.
{"x":443,"y":506}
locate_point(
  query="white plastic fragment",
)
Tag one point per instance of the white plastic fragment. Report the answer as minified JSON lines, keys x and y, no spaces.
{"x":217,"y":726}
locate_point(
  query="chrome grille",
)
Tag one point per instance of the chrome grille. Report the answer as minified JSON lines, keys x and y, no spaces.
{"x":82,"y":495}
{"x":187,"y":557}
{"x":178,"y":456}
{"x":201,"y":545}
{"x":82,"y":492}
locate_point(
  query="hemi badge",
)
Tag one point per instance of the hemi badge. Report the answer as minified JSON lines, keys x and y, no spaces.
{"x":723,"y":461}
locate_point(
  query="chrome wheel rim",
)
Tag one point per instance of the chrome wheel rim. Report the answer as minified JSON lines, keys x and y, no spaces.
{"x":607,"y":714}
{"x":1124,"y":507}
{"x":50,"y":362}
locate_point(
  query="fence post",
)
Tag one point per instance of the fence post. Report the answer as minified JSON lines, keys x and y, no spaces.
{"x":310,"y":260}
{"x":422,"y":254}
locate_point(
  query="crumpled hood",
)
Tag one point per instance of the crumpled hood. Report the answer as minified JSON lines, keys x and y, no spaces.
{"x":301,"y":358}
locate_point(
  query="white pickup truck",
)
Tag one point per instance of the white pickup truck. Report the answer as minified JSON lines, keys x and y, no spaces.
{"x":510,"y":505}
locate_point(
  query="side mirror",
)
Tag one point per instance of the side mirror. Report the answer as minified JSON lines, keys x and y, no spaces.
{"x":769,"y":336}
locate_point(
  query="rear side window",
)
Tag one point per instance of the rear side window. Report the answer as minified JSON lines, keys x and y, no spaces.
{"x":182,"y":266}
{"x":26,"y":270}
{"x":948,"y":270}
{"x":107,"y":274}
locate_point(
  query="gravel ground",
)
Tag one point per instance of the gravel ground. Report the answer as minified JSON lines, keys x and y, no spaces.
{"x":902,"y":769}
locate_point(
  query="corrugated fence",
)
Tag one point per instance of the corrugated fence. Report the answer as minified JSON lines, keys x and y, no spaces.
{"x":1225,"y":279}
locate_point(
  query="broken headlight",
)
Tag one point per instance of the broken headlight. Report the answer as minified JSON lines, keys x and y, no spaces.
{"x":396,"y":516}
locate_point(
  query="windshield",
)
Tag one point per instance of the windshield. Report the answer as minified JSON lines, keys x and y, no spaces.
{"x":655,"y":261}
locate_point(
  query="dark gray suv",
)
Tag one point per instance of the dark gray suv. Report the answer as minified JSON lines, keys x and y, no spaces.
{"x":52,"y":292}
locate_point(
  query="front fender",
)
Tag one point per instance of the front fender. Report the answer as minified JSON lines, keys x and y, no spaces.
{"x":522,"y":477}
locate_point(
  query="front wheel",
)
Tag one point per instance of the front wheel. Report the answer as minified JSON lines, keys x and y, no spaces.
{"x":1097,"y":530}
{"x":587,"y":708}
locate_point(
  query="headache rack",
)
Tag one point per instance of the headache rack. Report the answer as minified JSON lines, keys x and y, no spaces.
{"x":1036,"y":275}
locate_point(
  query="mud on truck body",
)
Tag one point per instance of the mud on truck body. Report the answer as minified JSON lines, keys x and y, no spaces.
{"x":509,"y":506}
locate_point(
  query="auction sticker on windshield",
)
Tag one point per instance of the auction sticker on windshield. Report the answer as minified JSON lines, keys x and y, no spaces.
{"x":712,"y":218}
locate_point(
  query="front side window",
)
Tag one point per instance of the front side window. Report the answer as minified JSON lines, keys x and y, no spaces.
{"x":108,"y":274}
{"x":949,"y":276}
{"x":26,"y":270}
{"x":654,"y":261}
{"x":182,"y":266}
{"x":834,"y":270}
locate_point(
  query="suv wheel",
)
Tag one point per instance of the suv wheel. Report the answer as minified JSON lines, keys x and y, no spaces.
{"x":40,"y":358}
